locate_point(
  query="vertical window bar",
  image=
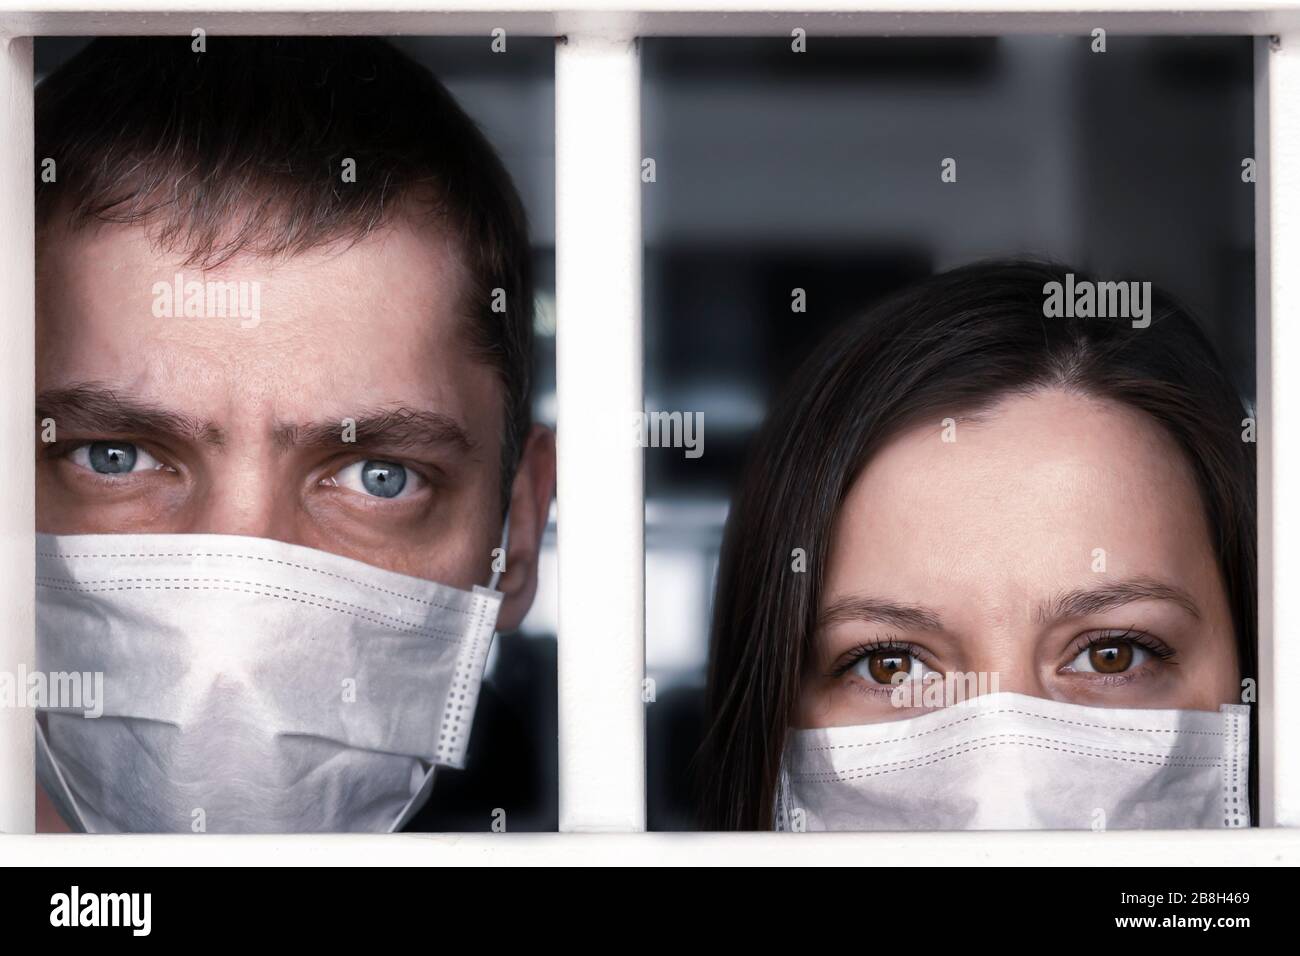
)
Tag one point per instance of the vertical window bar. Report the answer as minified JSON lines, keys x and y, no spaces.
{"x":1277,"y":206}
{"x":17,"y":493}
{"x":600,"y":510}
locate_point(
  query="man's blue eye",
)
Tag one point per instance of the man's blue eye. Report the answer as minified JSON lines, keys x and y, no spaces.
{"x":376,"y":478}
{"x":384,"y":479}
{"x":112,"y":458}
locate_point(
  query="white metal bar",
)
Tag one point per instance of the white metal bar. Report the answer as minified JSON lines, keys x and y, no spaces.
{"x":1262,"y":747}
{"x":598,"y":370}
{"x":1278,"y":250}
{"x":649,"y":17}
{"x":18,"y":483}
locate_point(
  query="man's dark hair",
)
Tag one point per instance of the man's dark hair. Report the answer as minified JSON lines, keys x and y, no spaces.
{"x":241,"y":149}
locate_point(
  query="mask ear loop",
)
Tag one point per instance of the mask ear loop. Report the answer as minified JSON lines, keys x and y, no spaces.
{"x":505,"y":545}
{"x":61,"y":796}
{"x":425,"y":789}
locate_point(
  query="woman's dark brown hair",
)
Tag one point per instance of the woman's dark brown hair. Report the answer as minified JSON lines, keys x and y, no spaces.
{"x":954,"y":343}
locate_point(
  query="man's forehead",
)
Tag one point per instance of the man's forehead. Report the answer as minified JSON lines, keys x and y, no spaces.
{"x":387,"y":302}
{"x":372,"y":326}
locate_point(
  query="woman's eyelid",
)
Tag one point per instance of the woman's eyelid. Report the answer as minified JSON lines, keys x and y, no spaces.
{"x":853,"y":656}
{"x":1150,"y":650}
{"x":1117,"y":635}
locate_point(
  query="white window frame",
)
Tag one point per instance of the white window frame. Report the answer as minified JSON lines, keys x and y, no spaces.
{"x":599,"y":358}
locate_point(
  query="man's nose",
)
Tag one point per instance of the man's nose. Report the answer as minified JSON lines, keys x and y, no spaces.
{"x":246,"y":499}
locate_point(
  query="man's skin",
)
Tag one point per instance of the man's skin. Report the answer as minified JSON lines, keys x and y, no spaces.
{"x":239,"y":430}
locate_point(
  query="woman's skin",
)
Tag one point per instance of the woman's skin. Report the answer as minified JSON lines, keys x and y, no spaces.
{"x":982,"y":555}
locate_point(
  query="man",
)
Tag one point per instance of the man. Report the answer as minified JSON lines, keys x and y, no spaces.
{"x":284,"y":292}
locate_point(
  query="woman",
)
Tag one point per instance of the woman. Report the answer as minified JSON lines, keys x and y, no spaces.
{"x":1060,"y":509}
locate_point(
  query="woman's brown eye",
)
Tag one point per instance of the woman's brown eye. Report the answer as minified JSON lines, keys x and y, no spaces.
{"x":883,"y":665}
{"x":1111,"y":658}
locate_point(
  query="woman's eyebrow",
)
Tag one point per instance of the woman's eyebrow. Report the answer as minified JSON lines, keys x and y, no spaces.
{"x":1112,"y":594}
{"x":862,"y":608}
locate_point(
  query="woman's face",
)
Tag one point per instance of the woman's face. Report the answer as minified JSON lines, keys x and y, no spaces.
{"x":1057,"y":546}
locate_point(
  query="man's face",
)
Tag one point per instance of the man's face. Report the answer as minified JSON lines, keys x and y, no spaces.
{"x":239,"y":424}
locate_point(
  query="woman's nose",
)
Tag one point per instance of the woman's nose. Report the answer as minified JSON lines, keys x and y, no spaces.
{"x":1010,"y":667}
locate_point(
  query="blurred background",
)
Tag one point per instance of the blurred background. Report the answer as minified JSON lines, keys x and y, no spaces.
{"x":820,"y":170}
{"x":511,"y":96}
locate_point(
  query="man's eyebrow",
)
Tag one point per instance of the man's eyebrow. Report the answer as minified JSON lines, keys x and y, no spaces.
{"x":399,"y":427}
{"x":96,"y":407}
{"x":1112,"y":594}
{"x":863,"y":608}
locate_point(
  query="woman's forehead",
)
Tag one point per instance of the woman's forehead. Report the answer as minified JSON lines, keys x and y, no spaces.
{"x":1022,"y":502}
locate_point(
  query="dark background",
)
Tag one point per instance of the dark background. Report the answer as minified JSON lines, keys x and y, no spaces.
{"x":820,"y":170}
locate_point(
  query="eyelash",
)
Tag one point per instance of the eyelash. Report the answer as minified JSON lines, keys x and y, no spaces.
{"x":855,"y":655}
{"x":65,"y":447}
{"x":429,"y":475}
{"x":1156,"y":647}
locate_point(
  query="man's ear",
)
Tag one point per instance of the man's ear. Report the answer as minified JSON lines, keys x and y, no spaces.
{"x":530,"y":505}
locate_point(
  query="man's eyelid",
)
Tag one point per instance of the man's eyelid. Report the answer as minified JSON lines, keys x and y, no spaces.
{"x":155,"y":446}
{"x":162,"y":462}
{"x":422,"y":480}
{"x":428,"y":468}
{"x":416,"y":468}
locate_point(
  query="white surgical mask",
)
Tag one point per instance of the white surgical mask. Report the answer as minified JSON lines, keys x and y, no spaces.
{"x":1008,"y":761}
{"x":251,"y":686}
